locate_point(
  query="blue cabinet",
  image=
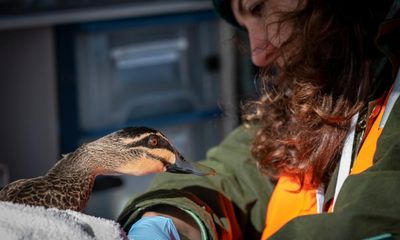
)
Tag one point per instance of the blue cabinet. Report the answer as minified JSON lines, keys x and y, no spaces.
{"x":158,"y":71}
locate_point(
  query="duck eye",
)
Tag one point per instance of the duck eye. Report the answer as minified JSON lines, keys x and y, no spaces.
{"x":153,"y":141}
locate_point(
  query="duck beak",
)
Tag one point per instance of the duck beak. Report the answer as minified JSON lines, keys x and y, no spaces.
{"x":182,"y":165}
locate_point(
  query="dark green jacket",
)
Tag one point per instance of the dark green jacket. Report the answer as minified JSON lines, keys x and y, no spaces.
{"x":233,"y":203}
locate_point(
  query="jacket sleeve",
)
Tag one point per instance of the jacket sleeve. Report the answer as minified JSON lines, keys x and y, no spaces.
{"x":368,"y":204}
{"x":230,"y":205}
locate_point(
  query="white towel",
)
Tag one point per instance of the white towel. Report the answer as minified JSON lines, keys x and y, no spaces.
{"x":19,"y":221}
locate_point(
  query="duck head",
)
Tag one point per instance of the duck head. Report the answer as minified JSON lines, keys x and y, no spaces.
{"x":140,"y":150}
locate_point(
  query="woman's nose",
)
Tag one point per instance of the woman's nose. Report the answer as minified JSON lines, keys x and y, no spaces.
{"x":258,"y":47}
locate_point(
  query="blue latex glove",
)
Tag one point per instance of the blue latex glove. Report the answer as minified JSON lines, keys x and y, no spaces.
{"x":154,"y":228}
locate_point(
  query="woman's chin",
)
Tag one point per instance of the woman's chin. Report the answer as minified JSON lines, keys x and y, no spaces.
{"x":264,"y":57}
{"x":262,"y":60}
{"x":259,"y":61}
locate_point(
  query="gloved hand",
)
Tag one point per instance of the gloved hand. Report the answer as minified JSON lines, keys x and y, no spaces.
{"x":154,"y":228}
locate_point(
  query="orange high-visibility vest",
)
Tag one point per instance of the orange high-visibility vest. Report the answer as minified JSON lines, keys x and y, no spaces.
{"x":288,"y":202}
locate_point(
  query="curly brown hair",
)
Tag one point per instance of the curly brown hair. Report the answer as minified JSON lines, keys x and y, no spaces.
{"x":306,"y":105}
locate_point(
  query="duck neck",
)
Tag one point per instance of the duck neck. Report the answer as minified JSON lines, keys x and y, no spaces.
{"x":75,"y":173}
{"x":72,"y":164}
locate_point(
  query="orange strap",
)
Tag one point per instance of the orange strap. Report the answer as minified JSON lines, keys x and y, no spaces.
{"x":366,"y":154}
{"x":365,"y":157}
{"x":287,"y":202}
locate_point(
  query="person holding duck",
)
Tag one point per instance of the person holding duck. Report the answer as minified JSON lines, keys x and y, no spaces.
{"x":318,"y":155}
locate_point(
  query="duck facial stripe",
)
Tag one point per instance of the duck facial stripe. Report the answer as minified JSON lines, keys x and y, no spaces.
{"x":143,"y":142}
{"x":161,"y":159}
{"x":135,"y":131}
{"x":131,"y":140}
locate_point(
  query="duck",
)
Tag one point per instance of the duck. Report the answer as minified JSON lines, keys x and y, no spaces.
{"x":133,"y":151}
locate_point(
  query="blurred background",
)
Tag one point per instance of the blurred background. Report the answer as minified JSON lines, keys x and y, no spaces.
{"x":72,"y":71}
